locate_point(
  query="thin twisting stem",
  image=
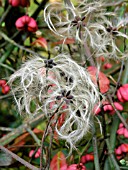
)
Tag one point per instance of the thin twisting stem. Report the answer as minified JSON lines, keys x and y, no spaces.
{"x":45,"y":134}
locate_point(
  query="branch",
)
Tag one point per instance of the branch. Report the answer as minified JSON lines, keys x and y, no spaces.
{"x":21,"y":129}
{"x":25,"y":163}
{"x":17,"y":45}
{"x":5,"y":14}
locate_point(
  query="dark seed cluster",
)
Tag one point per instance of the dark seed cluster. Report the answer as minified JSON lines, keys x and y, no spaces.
{"x":49,"y":63}
{"x":67,"y":97}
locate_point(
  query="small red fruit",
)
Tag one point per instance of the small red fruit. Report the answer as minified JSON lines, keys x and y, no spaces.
{"x":26,"y":23}
{"x":14,"y":3}
{"x":2,"y":83}
{"x":5,"y":89}
{"x":122,"y":93}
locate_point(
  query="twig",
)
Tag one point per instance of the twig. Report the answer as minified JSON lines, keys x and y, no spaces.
{"x":51,"y":139}
{"x":21,"y":129}
{"x":40,"y":7}
{"x":19,"y":46}
{"x":5,"y":96}
{"x":45,"y":134}
{"x":25,"y":163}
{"x":5,"y":14}
{"x":7,"y":53}
{"x":89,"y":55}
{"x":22,"y":146}
{"x":6,"y":129}
{"x":7,"y":67}
{"x":33,"y":135}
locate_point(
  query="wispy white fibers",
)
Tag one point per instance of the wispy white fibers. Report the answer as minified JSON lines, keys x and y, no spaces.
{"x":78,"y":22}
{"x":50,"y":83}
{"x":87,"y":22}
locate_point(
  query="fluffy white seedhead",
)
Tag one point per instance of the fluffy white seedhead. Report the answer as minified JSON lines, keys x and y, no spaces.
{"x":56,"y":86}
{"x":87,"y":22}
{"x":69,"y":21}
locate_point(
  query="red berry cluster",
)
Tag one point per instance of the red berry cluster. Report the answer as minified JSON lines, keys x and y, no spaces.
{"x":25,"y":22}
{"x":87,"y":158}
{"x":73,"y":167}
{"x":122,"y":130}
{"x":121,"y":150}
{"x":37,"y":154}
{"x":5,"y":88}
{"x":122,"y":96}
{"x":122,"y":93}
{"x":23,"y":3}
{"x":107,"y":107}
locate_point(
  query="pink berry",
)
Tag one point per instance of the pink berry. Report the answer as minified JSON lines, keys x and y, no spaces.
{"x":31,"y":153}
{"x":125,"y":133}
{"x":14,"y":3}
{"x":107,"y":66}
{"x":118,"y":151}
{"x":26,"y":23}
{"x":122,"y":93}
{"x":24,"y":3}
{"x":121,"y":125}
{"x":124,"y":148}
{"x":5,"y":89}
{"x":120,"y":131}
{"x":2,"y":83}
